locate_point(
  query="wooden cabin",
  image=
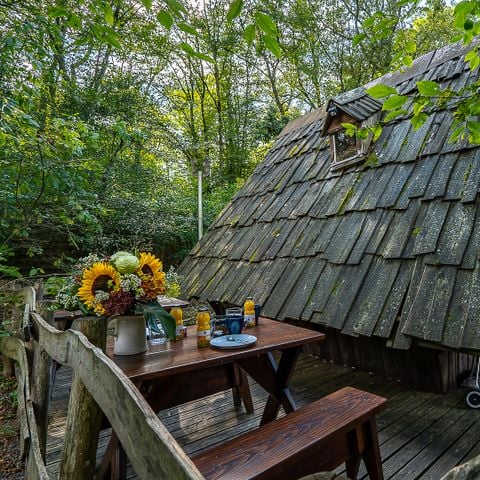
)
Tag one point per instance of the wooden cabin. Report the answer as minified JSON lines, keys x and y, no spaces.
{"x":374,"y":243}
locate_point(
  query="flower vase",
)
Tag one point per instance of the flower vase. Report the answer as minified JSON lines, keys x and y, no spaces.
{"x":130,"y":336}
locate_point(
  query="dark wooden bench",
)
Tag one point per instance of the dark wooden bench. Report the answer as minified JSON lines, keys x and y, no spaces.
{"x":336,"y":429}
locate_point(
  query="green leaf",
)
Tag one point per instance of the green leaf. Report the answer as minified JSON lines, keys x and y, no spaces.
{"x":108,"y":13}
{"x":474,"y":63}
{"x":468,"y":25}
{"x":381,"y":91}
{"x":394,"y":102}
{"x":358,"y":38}
{"x":74,"y":21}
{"x":411,"y":46}
{"x":271,"y":44}
{"x":203,"y":56}
{"x":265,"y":23}
{"x":249,"y":33}
{"x":55,"y":12}
{"x":419,"y":120}
{"x":474,"y":131}
{"x":147,"y":4}
{"x":187,"y":48}
{"x":350,"y":128}
{"x":407,"y":61}
{"x":368,"y":22}
{"x":185,"y":27}
{"x":234,"y":10}
{"x":165,"y":19}
{"x":176,"y":7}
{"x":154,"y":313}
{"x":464,"y":8}
{"x":428,"y":88}
{"x":377,"y":131}
{"x":418,"y":107}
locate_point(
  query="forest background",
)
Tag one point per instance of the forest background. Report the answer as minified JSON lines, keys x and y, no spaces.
{"x":109,"y":107}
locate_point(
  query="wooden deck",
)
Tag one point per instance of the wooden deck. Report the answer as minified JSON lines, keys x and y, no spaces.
{"x":422,"y":435}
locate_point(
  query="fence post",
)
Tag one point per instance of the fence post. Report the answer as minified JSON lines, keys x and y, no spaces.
{"x":84,"y":416}
{"x":40,"y":386}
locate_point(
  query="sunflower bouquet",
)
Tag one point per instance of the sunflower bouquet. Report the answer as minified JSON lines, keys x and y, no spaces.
{"x":116,"y":285}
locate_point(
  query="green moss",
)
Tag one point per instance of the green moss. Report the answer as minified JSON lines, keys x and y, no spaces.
{"x":336,"y":287}
{"x":346,"y":198}
{"x":467,"y":173}
{"x":275,"y":233}
{"x":252,"y":258}
{"x":371,"y":161}
{"x":234,"y":221}
{"x":416,"y":231}
{"x":293,"y":151}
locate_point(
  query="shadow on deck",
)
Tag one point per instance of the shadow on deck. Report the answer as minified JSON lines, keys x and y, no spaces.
{"x":422,"y":435}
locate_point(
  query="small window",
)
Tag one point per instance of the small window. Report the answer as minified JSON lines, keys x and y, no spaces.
{"x":346,"y":150}
{"x":345,"y":146}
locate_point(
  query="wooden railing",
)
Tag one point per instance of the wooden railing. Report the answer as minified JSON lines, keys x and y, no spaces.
{"x":152,"y":451}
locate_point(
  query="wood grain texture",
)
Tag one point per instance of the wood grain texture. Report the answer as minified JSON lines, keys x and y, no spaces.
{"x":84,"y":415}
{"x":129,"y":414}
{"x":339,"y":426}
{"x":172,"y":358}
{"x":29,"y":441}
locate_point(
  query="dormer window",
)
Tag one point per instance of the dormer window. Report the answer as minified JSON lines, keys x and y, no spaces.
{"x":347,"y":150}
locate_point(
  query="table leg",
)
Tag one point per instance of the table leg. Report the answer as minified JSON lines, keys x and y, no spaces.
{"x":274,"y":379}
{"x":241,"y":389}
{"x":114,"y":462}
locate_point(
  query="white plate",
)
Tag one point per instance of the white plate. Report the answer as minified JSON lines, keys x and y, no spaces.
{"x":229,"y":342}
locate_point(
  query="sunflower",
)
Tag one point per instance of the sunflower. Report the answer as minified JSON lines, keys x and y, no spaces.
{"x":149,"y":265}
{"x":100,"y":276}
{"x":153,"y":278}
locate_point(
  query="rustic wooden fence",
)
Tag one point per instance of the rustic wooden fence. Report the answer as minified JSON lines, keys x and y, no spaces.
{"x":151,"y":449}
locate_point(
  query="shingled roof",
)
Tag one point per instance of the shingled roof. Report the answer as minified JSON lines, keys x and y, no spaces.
{"x":387,"y":249}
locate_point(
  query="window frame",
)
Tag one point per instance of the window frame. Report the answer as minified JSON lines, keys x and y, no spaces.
{"x":362,"y":145}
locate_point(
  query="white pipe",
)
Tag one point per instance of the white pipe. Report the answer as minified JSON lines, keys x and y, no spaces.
{"x":200,"y":205}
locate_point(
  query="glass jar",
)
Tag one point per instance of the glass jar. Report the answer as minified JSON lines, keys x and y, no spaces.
{"x":249,"y":312}
{"x":203,"y":328}
{"x":177,"y":314}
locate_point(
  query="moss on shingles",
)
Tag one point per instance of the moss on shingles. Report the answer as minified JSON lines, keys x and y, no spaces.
{"x":335,"y":287}
{"x":293,"y":151}
{"x":416,"y":231}
{"x":467,"y":173}
{"x":349,"y":194}
{"x":371,"y":161}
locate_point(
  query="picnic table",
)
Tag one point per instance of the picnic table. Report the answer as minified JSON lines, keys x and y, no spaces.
{"x":177,"y":372}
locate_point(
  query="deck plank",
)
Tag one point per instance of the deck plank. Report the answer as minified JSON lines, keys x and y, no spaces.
{"x":422,"y":435}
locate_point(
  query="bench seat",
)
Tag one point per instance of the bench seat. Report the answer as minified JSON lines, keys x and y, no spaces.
{"x":339,"y":428}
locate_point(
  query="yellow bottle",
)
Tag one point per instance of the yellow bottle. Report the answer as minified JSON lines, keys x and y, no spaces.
{"x":203,"y":328}
{"x":177,"y":314}
{"x":249,"y":312}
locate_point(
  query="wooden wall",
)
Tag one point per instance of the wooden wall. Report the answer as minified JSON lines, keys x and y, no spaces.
{"x":427,"y":368}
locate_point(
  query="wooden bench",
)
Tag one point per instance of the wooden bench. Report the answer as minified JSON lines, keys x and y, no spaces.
{"x":336,"y":429}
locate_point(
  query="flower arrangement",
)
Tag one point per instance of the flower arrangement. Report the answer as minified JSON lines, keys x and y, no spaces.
{"x":115,"y":285}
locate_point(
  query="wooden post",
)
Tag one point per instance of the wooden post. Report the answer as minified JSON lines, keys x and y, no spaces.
{"x":84,"y":416}
{"x":41,"y":385}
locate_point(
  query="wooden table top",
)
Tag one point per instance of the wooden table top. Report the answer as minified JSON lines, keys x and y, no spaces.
{"x":184,"y":355}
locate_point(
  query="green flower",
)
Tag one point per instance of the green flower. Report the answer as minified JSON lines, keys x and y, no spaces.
{"x":126,"y":263}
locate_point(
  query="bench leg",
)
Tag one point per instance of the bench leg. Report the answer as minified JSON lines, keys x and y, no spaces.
{"x":353,"y":465}
{"x":371,"y":455}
